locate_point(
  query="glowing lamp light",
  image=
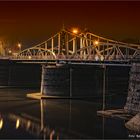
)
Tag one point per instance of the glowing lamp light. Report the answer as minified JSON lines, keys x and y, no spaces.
{"x":1,"y":123}
{"x":75,"y":31}
{"x":96,"y":42}
{"x":9,"y":51}
{"x":29,"y":57}
{"x":28,"y":124}
{"x":19,"y":45}
{"x":17,"y":123}
{"x":96,"y":57}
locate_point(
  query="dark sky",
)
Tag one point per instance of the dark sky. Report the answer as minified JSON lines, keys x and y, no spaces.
{"x":33,"y":22}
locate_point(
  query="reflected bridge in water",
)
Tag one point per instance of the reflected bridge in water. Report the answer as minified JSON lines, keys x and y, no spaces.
{"x":65,"y":119}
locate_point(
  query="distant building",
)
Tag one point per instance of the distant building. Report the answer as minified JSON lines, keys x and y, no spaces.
{"x":2,"y":50}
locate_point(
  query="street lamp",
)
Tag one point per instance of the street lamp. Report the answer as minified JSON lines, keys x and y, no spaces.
{"x":19,"y":46}
{"x":75,"y":31}
{"x":96,"y":42}
{"x":29,"y":57}
{"x":9,"y":51}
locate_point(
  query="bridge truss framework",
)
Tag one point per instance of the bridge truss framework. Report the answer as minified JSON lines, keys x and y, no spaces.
{"x":66,"y":45}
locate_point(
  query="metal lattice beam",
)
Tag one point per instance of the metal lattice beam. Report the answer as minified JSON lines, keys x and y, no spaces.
{"x":84,"y":46}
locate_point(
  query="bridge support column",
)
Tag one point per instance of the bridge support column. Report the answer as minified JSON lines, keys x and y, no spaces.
{"x":55,"y":80}
{"x":133,"y":99}
{"x":83,"y":81}
{"x":71,"y":81}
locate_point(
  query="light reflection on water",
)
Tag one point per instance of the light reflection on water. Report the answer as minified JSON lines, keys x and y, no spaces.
{"x":1,"y":123}
{"x":54,"y":118}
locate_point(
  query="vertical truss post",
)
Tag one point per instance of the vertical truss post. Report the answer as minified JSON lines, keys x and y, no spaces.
{"x":127,"y":53}
{"x":81,"y":45}
{"x":63,"y":43}
{"x":74,"y":45}
{"x":103,"y":51}
{"x":52,"y":44}
{"x":59,"y":44}
{"x":66,"y":46}
{"x":90,"y":43}
{"x":107,"y":48}
{"x":85,"y":45}
{"x":46,"y":47}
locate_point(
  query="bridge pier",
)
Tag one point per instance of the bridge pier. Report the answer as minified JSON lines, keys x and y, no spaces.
{"x":70,"y":80}
{"x":55,"y":80}
{"x":133,"y":99}
{"x":80,"y":81}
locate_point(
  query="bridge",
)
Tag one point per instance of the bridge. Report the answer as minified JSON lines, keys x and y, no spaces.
{"x":78,"y":46}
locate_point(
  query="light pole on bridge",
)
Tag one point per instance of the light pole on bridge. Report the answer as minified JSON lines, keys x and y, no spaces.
{"x":19,"y":46}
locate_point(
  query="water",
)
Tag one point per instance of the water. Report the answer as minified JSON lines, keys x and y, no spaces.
{"x":21,"y":117}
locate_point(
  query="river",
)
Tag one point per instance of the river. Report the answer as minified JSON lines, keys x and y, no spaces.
{"x":22,"y":117}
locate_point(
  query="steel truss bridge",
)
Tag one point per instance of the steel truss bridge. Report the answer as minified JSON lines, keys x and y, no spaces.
{"x":83,"y":46}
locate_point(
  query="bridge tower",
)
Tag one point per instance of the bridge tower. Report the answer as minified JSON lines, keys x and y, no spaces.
{"x":63,"y":43}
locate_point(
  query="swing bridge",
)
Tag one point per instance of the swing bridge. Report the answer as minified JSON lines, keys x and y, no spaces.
{"x":77,"y":46}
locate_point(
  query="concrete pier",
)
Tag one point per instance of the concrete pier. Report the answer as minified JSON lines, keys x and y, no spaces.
{"x":133,"y":99}
{"x":70,"y":81}
{"x":55,"y":80}
{"x":131,"y":111}
{"x":80,"y":81}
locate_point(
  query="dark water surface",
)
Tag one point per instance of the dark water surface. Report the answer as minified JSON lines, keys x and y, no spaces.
{"x":21,"y":117}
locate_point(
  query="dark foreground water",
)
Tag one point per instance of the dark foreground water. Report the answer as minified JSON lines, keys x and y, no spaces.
{"x":24,"y":118}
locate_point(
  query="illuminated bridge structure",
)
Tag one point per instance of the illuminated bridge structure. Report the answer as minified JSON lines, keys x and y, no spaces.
{"x":80,"y":46}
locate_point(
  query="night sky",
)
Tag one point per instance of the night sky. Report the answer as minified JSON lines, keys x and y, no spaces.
{"x":33,"y":22}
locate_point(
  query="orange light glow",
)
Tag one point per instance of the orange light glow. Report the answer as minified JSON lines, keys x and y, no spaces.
{"x":75,"y":31}
{"x":1,"y":123}
{"x":19,"y":45}
{"x":96,"y":42}
{"x":17,"y":123}
{"x":29,"y":57}
{"x":9,"y":51}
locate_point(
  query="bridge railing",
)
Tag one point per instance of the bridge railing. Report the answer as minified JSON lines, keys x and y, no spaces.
{"x":71,"y":57}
